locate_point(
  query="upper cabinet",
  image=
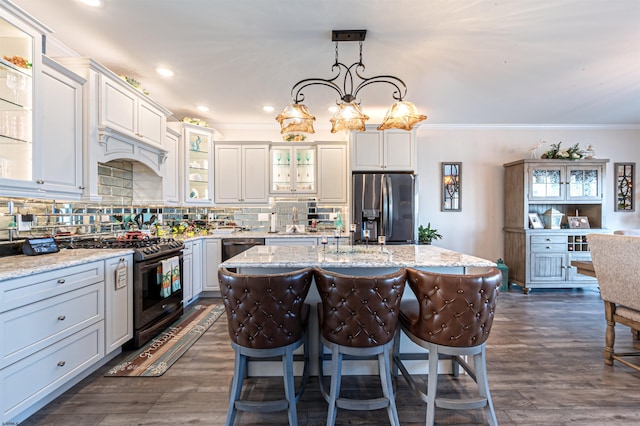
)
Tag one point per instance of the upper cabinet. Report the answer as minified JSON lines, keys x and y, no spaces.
{"x":170,"y":170}
{"x":332,"y":172}
{"x":293,"y":169}
{"x":242,"y":173}
{"x":387,"y":150}
{"x":197,"y":142}
{"x":127,"y":111}
{"x":570,"y":181}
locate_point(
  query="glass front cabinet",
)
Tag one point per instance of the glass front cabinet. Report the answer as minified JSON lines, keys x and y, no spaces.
{"x":198,"y":162}
{"x":579,"y":182}
{"x":293,"y":169}
{"x":20,"y":63}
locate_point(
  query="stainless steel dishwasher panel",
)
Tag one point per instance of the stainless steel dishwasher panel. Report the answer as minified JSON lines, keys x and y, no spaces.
{"x":234,"y":246}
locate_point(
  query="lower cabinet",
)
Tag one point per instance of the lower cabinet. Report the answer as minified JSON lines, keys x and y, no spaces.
{"x":211,"y":258}
{"x":187,"y":273}
{"x":56,"y":325}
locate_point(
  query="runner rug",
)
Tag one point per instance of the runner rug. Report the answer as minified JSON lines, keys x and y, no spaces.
{"x":154,"y":358}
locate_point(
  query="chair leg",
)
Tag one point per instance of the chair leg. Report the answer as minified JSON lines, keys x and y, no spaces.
{"x":334,"y":393}
{"x":384,"y":364}
{"x":236,"y":386}
{"x":480,"y":367}
{"x":305,"y":368}
{"x":610,"y":333}
{"x":432,"y":384}
{"x":289,"y":389}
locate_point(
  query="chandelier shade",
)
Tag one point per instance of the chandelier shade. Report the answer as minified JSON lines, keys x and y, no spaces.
{"x":402,"y":114}
{"x":296,"y":118}
{"x":348,"y":117}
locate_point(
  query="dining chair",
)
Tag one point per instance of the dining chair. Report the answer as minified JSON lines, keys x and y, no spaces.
{"x":357,"y":317}
{"x":266,"y":317}
{"x":451,"y":316}
{"x":616,"y":261}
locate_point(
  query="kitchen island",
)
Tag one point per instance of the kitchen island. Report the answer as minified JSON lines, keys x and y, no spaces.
{"x":357,"y":260}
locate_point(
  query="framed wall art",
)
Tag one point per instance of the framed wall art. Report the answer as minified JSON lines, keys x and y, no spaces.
{"x":451,"y":187}
{"x":624,"y":174}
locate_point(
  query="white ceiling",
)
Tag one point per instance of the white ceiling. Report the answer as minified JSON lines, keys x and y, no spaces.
{"x":465,"y":62}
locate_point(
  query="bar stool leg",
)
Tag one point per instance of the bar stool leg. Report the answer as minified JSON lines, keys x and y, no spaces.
{"x":236,"y":386}
{"x":334,"y":393}
{"x":289,"y":389}
{"x":432,"y":384}
{"x":480,"y":367}
{"x":384,"y":364}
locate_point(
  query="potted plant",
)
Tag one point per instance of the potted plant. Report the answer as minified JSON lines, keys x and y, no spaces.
{"x":428,"y":234}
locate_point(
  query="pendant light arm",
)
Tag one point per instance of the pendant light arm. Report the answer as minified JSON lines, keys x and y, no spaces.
{"x":400,"y":86}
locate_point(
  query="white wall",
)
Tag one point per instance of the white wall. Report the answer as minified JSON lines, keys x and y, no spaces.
{"x":477,"y":229}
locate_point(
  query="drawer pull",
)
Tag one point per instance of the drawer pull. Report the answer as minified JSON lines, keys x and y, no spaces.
{"x":61,"y":281}
{"x":548,"y":248}
{"x":61,"y":363}
{"x":62,"y":318}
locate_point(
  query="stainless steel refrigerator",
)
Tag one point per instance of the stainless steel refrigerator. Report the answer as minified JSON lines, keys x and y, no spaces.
{"x":385,"y":204}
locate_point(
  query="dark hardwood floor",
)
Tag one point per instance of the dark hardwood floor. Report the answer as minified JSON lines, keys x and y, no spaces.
{"x":544,"y":364}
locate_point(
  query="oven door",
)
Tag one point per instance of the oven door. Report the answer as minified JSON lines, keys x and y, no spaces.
{"x":150,"y":304}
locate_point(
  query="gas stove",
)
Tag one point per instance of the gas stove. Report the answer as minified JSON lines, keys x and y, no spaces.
{"x":144,"y":248}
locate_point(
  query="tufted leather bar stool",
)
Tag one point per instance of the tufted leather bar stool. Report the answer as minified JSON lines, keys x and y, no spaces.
{"x":267,"y":317}
{"x":358,"y":317}
{"x":452,"y":316}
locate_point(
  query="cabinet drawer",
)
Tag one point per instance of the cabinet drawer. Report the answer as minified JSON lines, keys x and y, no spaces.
{"x":549,"y":247}
{"x":28,"y":329}
{"x":25,"y":382}
{"x":33,"y":288}
{"x":545,"y":239}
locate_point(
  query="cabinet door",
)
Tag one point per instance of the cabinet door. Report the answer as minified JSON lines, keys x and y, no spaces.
{"x":118,"y":107}
{"x":255,"y":174}
{"x":573,"y":274}
{"x":151,"y":123}
{"x":367,"y":150}
{"x":212,"y":257}
{"x":584,"y":183}
{"x":546,"y":183}
{"x":187,"y":278}
{"x":170,"y":169}
{"x":398,"y":150}
{"x":196,"y":274}
{"x":59,"y":156}
{"x":332,"y":173}
{"x":119,"y":302}
{"x":548,"y":266}
{"x":228,"y":173}
{"x":198,"y":177}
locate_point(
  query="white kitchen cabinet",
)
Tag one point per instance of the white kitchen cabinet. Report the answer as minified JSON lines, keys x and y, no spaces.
{"x":191,"y":271}
{"x":293,"y":169}
{"x":51,"y":330}
{"x":197,"y":174}
{"x":170,"y":169}
{"x":118,"y":328}
{"x":58,"y":159}
{"x":387,"y":150}
{"x":118,"y":124}
{"x":211,"y":258}
{"x":127,"y":111}
{"x":332,"y":172}
{"x":242,"y":173}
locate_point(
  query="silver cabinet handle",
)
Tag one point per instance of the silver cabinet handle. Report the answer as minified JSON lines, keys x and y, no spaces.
{"x":61,"y":363}
{"x":61,"y":281}
{"x":62,"y":318}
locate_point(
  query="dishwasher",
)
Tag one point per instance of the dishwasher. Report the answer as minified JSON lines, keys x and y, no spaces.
{"x":234,"y":246}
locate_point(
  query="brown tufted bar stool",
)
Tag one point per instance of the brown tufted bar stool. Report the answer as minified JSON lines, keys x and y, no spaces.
{"x":267,"y":317}
{"x":358,"y":317}
{"x":452,"y":316}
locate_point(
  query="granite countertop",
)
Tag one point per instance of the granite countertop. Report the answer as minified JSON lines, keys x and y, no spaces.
{"x":22,"y":265}
{"x":361,"y":257}
{"x":264,"y":234}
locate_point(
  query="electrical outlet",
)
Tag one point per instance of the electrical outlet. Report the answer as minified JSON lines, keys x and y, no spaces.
{"x":333,"y":216}
{"x":263,"y":217}
{"x":211,"y":217}
{"x":22,"y":224}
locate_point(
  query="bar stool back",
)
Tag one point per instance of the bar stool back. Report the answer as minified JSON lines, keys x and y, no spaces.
{"x":452,"y":316}
{"x":267,"y":317}
{"x":358,"y":317}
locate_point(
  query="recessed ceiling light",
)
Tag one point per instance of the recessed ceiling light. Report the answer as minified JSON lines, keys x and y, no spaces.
{"x":166,"y":72}
{"x":333,"y":109}
{"x":267,"y":108}
{"x":202,"y":108}
{"x":92,"y":3}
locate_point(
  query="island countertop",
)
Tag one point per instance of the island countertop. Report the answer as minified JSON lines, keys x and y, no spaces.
{"x":419,"y":256}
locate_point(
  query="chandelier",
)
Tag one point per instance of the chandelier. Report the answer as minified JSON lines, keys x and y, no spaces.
{"x":401,"y":115}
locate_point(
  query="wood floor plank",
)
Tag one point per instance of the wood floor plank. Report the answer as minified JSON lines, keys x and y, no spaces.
{"x":544,"y":363}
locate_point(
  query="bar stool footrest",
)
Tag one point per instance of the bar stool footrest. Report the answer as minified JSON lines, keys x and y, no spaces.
{"x":464,"y":404}
{"x":362,"y":404}
{"x":263,"y":406}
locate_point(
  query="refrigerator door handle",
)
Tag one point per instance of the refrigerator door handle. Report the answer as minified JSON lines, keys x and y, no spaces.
{"x":385,"y":205}
{"x":389,"y":207}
